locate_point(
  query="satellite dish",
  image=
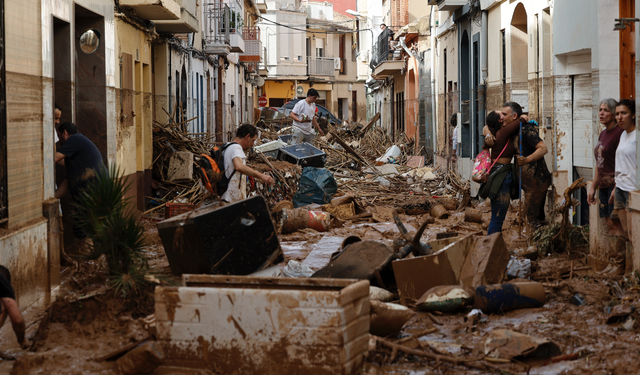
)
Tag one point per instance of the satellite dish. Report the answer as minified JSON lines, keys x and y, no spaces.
{"x":259,"y":81}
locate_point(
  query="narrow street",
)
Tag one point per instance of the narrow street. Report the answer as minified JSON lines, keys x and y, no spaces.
{"x":286,"y":187}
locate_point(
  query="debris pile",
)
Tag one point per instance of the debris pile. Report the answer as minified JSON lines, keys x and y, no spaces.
{"x":174,"y":152}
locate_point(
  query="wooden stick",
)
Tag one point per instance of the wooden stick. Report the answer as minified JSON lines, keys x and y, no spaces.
{"x":280,"y":177}
{"x":436,"y":357}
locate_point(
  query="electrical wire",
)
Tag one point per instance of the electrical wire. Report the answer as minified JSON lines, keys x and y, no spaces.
{"x":307,"y":30}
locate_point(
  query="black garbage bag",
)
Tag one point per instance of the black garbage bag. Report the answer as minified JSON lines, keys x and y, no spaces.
{"x":316,"y":185}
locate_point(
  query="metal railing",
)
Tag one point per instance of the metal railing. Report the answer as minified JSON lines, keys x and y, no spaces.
{"x":251,"y":33}
{"x":381,"y":51}
{"x":217,"y":19}
{"x":321,"y":66}
{"x":222,"y":19}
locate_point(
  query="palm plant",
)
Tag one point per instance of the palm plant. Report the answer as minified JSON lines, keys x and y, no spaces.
{"x":110,"y":222}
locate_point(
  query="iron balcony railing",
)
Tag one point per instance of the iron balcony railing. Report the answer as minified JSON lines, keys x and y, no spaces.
{"x":251,"y":33}
{"x":220,"y":20}
{"x":217,"y":19}
{"x":381,"y":51}
{"x":321,"y":66}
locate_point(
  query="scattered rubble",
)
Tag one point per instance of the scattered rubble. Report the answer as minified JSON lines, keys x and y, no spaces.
{"x":431,"y":289}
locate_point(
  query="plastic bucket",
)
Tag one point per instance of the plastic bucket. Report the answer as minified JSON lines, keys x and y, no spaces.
{"x":299,"y":218}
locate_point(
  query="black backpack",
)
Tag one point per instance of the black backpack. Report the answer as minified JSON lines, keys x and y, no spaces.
{"x":217,"y":154}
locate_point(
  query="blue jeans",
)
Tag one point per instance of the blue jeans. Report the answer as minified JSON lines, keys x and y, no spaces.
{"x":500,"y":206}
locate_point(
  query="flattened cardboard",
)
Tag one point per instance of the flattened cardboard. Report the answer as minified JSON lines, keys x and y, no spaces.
{"x":486,"y":263}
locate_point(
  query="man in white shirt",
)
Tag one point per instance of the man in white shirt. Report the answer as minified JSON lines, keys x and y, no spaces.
{"x":234,"y":161}
{"x":303,"y":115}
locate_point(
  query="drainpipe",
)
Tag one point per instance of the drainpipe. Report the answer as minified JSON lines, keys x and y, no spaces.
{"x":484,"y":45}
{"x":407,"y":50}
{"x":434,"y":91}
{"x":170,"y":75}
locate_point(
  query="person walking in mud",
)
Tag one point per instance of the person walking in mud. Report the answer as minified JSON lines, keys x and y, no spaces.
{"x":303,"y":115}
{"x":536,"y":177}
{"x":10,"y":309}
{"x":497,"y":186}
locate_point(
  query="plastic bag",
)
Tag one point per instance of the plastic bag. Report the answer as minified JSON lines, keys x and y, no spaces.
{"x":518,"y":268}
{"x":317,"y":185}
{"x":297,"y":269}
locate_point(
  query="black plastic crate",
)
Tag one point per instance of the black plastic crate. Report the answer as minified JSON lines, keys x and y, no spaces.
{"x":236,"y":239}
{"x":303,"y":154}
{"x":286,"y":138}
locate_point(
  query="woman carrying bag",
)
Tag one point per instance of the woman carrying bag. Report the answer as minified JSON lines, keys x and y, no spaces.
{"x":497,"y":184}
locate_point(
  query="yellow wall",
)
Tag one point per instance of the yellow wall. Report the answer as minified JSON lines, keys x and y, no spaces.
{"x":279,"y":89}
{"x":134,"y":143}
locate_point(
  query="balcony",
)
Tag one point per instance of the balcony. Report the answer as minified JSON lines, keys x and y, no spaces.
{"x":262,"y":6}
{"x":321,"y":66}
{"x":448,"y":5}
{"x":154,"y":9}
{"x":252,"y":43}
{"x":385,"y":59}
{"x":222,"y":28}
{"x":187,"y":23}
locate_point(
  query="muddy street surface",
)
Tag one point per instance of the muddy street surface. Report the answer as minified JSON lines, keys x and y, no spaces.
{"x":81,"y":331}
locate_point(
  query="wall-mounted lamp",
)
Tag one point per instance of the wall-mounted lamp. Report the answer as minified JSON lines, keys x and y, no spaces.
{"x":623,"y":23}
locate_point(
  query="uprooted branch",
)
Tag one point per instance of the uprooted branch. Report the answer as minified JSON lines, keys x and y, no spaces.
{"x":468,"y":362}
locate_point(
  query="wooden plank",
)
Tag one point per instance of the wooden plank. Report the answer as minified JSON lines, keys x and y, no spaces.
{"x":370,"y":124}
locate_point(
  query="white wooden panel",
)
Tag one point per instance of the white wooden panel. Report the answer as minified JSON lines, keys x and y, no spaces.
{"x":582,"y":122}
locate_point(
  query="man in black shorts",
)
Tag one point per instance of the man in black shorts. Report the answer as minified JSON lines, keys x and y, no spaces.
{"x":83,"y":162}
{"x":10,"y":307}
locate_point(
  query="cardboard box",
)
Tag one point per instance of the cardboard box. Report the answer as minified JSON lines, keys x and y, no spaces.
{"x":487,"y":263}
{"x":415,"y":276}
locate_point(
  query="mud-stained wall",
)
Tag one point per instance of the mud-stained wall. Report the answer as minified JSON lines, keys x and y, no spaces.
{"x":27,"y":261}
{"x":24,"y":111}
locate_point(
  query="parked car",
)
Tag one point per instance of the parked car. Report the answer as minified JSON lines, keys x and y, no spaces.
{"x":321,"y":111}
{"x":271,"y":113}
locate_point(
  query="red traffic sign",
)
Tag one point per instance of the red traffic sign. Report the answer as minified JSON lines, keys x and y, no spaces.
{"x":262,"y":101}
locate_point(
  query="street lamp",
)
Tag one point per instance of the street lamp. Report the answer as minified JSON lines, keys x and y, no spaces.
{"x":621,"y":23}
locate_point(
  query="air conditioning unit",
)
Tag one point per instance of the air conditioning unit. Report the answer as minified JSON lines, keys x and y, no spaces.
{"x":336,"y":63}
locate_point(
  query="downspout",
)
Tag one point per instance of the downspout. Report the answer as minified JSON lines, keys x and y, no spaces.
{"x":484,"y":47}
{"x":482,"y":87}
{"x":434,"y":91}
{"x":407,"y":50}
{"x":170,"y":79}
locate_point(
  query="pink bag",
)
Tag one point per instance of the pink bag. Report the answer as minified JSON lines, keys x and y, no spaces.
{"x":483,"y":165}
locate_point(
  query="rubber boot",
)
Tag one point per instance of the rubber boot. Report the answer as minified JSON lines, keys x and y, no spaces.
{"x":619,"y":256}
{"x":629,"y":255}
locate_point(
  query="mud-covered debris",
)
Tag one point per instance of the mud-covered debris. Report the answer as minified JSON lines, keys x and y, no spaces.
{"x":506,"y":344}
{"x":446,"y":298}
{"x":486,"y":263}
{"x":619,"y":313}
{"x":578,"y":299}
{"x":518,"y":268}
{"x":509,"y":296}
{"x":379,"y":294}
{"x":388,"y":318}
